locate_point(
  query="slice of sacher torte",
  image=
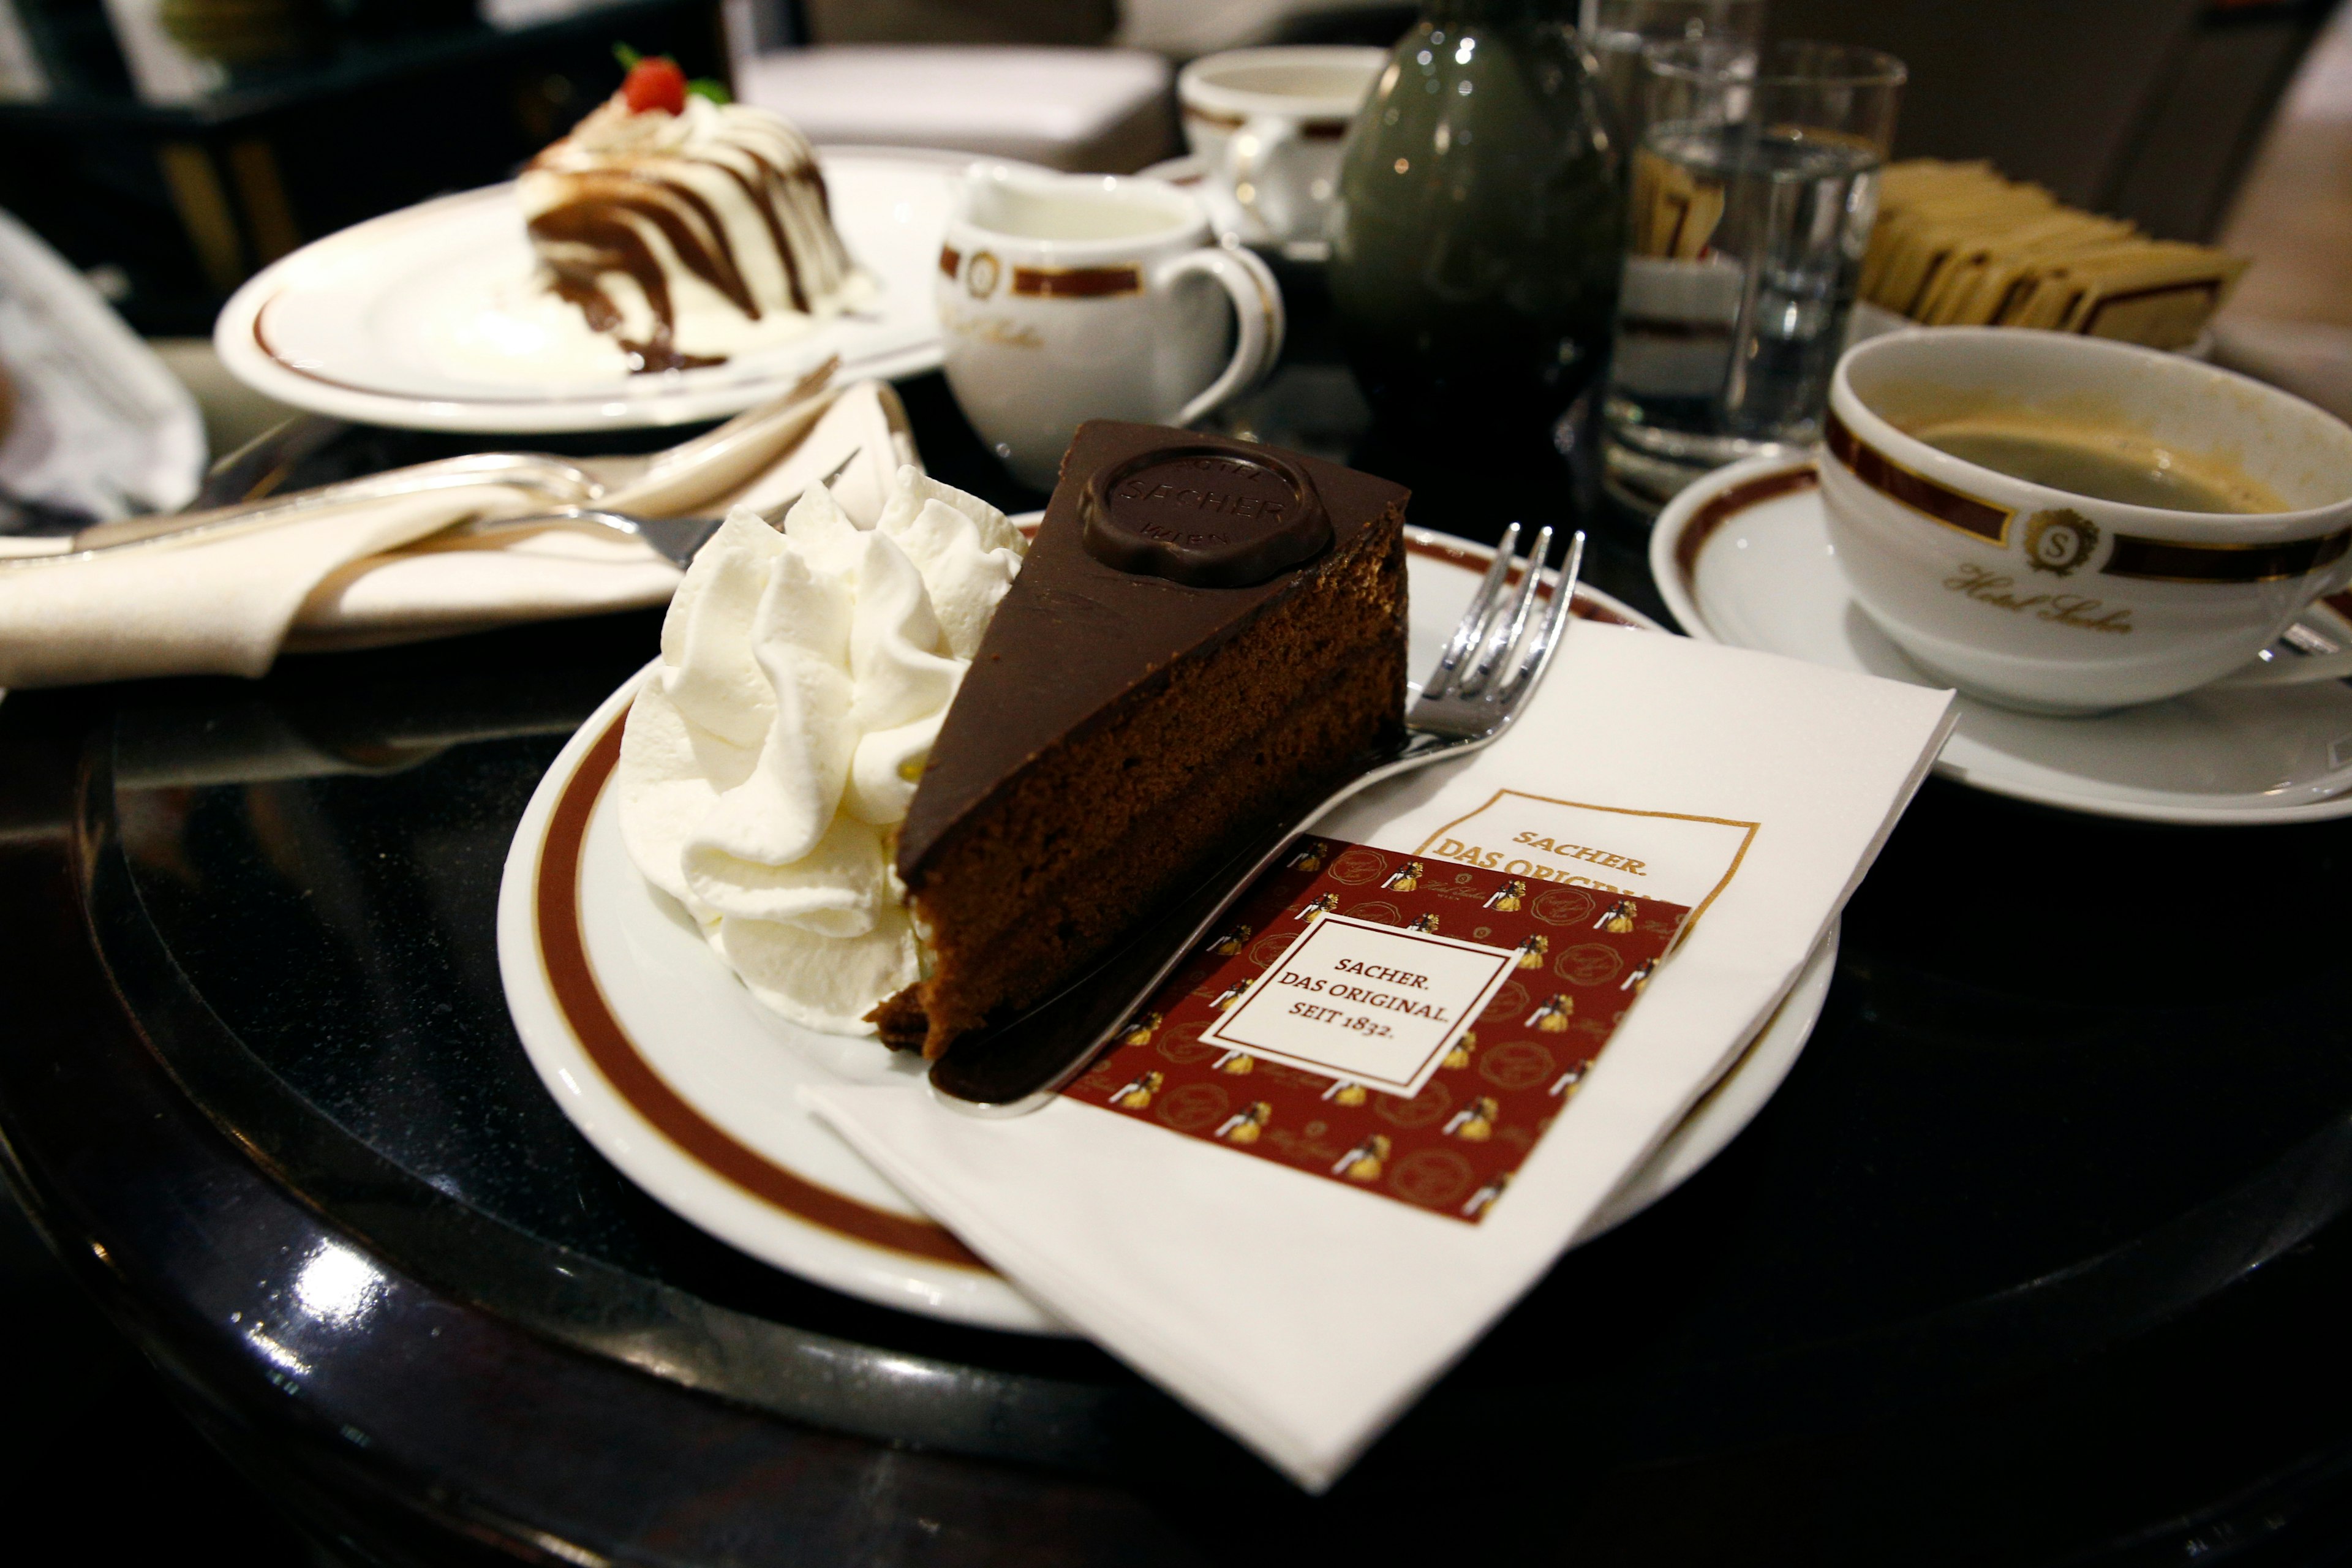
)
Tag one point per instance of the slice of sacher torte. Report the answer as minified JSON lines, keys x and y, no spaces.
{"x":1205,"y":632}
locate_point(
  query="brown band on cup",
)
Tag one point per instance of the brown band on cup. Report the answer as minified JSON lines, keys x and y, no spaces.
{"x":1211,"y":118}
{"x":1075,"y":282}
{"x":2171,"y":561}
{"x":1953,"y":508}
{"x":950,"y":260}
{"x":1311,"y":129}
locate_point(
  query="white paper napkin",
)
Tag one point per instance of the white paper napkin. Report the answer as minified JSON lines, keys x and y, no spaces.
{"x":1302,"y":1315}
{"x":372,"y":573}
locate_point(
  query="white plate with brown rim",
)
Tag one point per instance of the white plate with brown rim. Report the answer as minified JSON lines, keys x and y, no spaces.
{"x":676,"y":1075}
{"x":1743,"y":557}
{"x":431,"y":318}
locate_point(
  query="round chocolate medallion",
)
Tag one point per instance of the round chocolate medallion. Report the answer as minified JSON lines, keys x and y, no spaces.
{"x":1208,"y":517}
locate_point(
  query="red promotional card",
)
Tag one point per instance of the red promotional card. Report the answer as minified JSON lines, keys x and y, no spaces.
{"x":1401,"y":1023}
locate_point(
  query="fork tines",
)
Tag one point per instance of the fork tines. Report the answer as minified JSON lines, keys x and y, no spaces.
{"x":1491,"y":655}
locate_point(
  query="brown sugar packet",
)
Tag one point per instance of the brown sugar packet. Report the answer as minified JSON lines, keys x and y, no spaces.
{"x":1932,"y":211}
{"x":1902,"y":187}
{"x":2044,"y":291}
{"x":1975,"y":286}
{"x":2158,"y":293}
{"x":1926,"y":245}
{"x":1674,"y":212}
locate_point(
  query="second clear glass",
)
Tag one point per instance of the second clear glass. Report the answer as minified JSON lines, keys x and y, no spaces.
{"x":1754,"y":187}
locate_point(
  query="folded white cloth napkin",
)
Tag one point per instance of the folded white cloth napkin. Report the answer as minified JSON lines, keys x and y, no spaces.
{"x":376,"y":572}
{"x":1302,"y":1315}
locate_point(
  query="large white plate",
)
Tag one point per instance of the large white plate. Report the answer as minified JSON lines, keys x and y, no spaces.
{"x":678,"y":1077}
{"x":1743,"y":557}
{"x":365,"y":324}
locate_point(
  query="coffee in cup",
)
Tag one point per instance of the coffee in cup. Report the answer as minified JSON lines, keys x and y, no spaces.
{"x":2105,"y":462}
{"x":2065,"y":524}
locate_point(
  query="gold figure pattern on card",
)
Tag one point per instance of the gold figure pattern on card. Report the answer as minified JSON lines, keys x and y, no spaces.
{"x":1553,"y":1015}
{"x":1618,"y":917}
{"x":1506,"y":898}
{"x":1138,"y":1092}
{"x":1236,"y":1062}
{"x":1140,"y":1029}
{"x":1363,"y":1163}
{"x":1405,"y":878}
{"x":1475,"y":1122}
{"x":1243,"y":1126}
{"x":1311,"y":856}
{"x":1345,"y":1091}
{"x":1459,"y":1057}
{"x":1231,"y":942}
{"x":1484,"y":1198}
{"x":1532,"y":948}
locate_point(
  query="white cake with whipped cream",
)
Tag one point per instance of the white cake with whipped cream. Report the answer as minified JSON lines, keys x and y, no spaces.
{"x":686,"y":229}
{"x":771,"y":756}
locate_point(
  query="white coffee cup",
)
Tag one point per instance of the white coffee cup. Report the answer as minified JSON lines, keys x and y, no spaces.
{"x":1077,"y":296}
{"x":1269,"y":123}
{"x":2055,"y":601}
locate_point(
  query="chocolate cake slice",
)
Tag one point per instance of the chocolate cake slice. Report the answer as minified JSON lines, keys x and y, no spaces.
{"x":1205,"y":632}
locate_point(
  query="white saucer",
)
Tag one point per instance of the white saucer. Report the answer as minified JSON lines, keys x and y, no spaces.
{"x":370,"y":323}
{"x":1743,"y":557}
{"x":667,"y":1065}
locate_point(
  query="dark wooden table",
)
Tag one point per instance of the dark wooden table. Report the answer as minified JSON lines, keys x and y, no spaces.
{"x":2037,"y":1256}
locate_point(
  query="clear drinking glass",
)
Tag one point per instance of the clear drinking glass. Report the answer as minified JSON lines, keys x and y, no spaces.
{"x":1618,"y":31}
{"x":1753,"y":189}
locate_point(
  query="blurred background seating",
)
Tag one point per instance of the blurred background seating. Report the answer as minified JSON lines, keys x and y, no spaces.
{"x":1065,"y":108}
{"x":2152,"y":110}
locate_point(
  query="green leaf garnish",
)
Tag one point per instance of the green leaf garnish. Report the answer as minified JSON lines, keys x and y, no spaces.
{"x":706,"y":86}
{"x":626,"y":56}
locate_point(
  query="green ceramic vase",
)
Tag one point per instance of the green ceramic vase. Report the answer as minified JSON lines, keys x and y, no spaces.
{"x":1475,"y":268}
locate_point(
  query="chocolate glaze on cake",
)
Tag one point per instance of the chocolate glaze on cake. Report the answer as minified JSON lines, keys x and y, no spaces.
{"x":1124,"y":721}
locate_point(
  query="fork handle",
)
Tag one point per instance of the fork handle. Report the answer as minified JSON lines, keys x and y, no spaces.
{"x":1016,"y":1067}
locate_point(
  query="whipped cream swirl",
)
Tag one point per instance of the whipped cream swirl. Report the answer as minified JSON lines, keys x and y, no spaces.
{"x":771,"y":756}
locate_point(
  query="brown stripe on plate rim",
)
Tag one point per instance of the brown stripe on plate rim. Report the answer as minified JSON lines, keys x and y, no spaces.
{"x":761,"y":380}
{"x":1475,"y":558}
{"x":2177,"y":560}
{"x":563,"y":952}
{"x":1716,"y":510}
{"x":1936,"y":502}
{"x":1075,"y":282}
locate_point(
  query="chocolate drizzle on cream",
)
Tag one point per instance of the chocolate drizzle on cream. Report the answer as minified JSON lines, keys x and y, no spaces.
{"x":730,"y":196}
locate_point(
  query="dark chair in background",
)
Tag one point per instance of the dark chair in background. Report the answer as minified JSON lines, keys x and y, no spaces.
{"x":2146,"y":108}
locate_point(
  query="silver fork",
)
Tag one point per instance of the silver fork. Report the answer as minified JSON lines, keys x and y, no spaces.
{"x":674,"y":539}
{"x":1490,"y":669}
{"x":569,"y":483}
